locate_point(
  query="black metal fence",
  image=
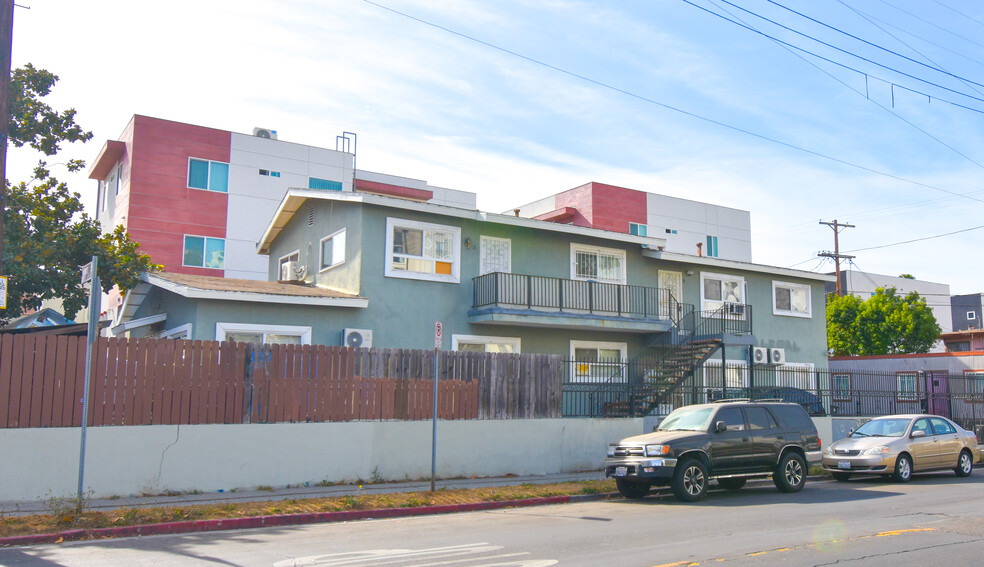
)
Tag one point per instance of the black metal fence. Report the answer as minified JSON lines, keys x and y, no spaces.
{"x":607,"y":388}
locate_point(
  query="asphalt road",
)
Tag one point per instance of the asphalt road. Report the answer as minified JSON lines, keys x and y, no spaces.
{"x":936,"y":519}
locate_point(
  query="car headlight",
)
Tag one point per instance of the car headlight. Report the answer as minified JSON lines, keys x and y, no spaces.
{"x":879,"y":450}
{"x":657,"y":450}
{"x":829,"y":450}
{"x":611,"y":450}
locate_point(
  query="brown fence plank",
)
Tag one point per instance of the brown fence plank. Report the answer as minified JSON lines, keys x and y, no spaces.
{"x":54,"y":377}
{"x":169,"y":405}
{"x":27,"y":385}
{"x":19,"y":353}
{"x":74,"y":382}
{"x":6,"y":363}
{"x":138,"y":381}
{"x":126,"y":411}
{"x":196,"y":385}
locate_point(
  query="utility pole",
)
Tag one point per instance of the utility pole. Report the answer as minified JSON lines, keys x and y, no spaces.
{"x":836,"y":255}
{"x":6,"y":41}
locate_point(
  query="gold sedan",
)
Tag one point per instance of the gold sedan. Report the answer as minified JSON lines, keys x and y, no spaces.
{"x":899,"y":445}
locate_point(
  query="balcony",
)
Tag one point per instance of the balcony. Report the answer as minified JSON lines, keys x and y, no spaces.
{"x":537,"y":301}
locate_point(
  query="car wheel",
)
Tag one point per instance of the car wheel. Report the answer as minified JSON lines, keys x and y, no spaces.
{"x":841,"y":476}
{"x":690,"y":480}
{"x":790,"y":475}
{"x":732,"y":483}
{"x":965,"y":464}
{"x":903,"y":469}
{"x":632,"y":489}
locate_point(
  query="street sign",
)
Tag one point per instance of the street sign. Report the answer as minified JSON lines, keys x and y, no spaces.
{"x":438,"y":332}
{"x":86,"y":273}
{"x":3,"y":292}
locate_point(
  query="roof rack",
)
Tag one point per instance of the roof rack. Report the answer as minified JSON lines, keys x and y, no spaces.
{"x":770,"y":400}
{"x":732,"y":400}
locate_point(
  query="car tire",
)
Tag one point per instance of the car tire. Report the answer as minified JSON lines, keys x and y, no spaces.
{"x":790,"y":475}
{"x":731,"y":483}
{"x":903,"y":468}
{"x":632,"y":489}
{"x":965,"y":464}
{"x":841,"y":476}
{"x":690,"y":480}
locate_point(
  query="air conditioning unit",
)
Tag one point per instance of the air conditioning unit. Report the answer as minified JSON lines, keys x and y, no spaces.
{"x":777,"y":356}
{"x":760,"y":355}
{"x":265,"y":133}
{"x":292,"y":272}
{"x":357,"y":338}
{"x":735,"y":309}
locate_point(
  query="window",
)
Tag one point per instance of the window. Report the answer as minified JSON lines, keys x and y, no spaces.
{"x":266,"y":334}
{"x":422,"y":251}
{"x":759,"y":418}
{"x":269,"y":173}
{"x":333,"y":250}
{"x":180,"y":332}
{"x":671,"y":231}
{"x":638,"y":229}
{"x":975,"y":383}
{"x":841,"y":386}
{"x":119,"y":176}
{"x":922,"y":425}
{"x":735,"y":378}
{"x":203,"y":252}
{"x":732,"y":419}
{"x":294,"y":256}
{"x":941,"y":426}
{"x":208,"y":175}
{"x":495,"y":254}
{"x":971,"y":315}
{"x":324,"y":184}
{"x":906,"y":382}
{"x":476,"y":343}
{"x":718,"y":289}
{"x":712,"y":246}
{"x":598,"y":361}
{"x":597,"y":264}
{"x":791,"y":299}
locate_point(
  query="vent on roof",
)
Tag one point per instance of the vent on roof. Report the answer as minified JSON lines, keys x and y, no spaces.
{"x":311,"y":216}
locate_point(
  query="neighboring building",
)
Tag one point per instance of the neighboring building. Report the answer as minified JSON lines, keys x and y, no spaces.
{"x":968,"y":311}
{"x":970,"y":340}
{"x":687,"y":227}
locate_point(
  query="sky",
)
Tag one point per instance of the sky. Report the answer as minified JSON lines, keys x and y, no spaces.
{"x":868,"y":112}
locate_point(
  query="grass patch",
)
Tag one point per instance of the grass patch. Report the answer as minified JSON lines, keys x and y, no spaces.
{"x":92,"y":519}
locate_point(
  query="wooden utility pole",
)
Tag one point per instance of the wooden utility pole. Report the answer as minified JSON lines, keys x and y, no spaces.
{"x":6,"y":42}
{"x":836,"y":255}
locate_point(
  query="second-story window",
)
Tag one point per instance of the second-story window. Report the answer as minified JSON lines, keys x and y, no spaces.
{"x":719,"y":289}
{"x":597,"y":264}
{"x":422,"y":251}
{"x":208,"y":175}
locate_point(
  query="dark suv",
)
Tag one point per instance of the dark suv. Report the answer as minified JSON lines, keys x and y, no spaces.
{"x":729,"y":441}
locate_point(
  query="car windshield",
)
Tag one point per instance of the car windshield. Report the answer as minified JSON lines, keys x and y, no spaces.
{"x":889,"y":427}
{"x":687,"y":419}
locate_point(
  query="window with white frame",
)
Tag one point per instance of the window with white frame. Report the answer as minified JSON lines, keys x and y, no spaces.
{"x":180,"y":332}
{"x":479,"y":343}
{"x":332,"y":250}
{"x":599,"y":361}
{"x":791,"y":299}
{"x":712,"y":246}
{"x":638,"y":229}
{"x":208,"y":175}
{"x":203,"y":252}
{"x":840,"y":384}
{"x":796,"y":375}
{"x":263,"y":334}
{"x":734,"y":381}
{"x":971,"y":315}
{"x":422,"y":251}
{"x":294,"y":256}
{"x":906,"y":383}
{"x":495,"y":255}
{"x":597,"y":264}
{"x":719,"y":289}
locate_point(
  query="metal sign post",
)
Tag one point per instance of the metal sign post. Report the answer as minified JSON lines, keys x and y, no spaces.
{"x":90,"y":274}
{"x":438,"y":332}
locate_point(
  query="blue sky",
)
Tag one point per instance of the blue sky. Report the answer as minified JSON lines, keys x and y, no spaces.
{"x":519,"y":100}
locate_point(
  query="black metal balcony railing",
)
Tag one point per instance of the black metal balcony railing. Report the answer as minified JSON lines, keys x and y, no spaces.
{"x":731,"y":318}
{"x":555,"y":294}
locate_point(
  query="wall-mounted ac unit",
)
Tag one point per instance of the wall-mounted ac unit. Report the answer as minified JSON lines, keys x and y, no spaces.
{"x":777,"y":356}
{"x":357,"y":338}
{"x":292,"y":272}
{"x":735,"y":309}
{"x":265,"y":133}
{"x":760,"y":355}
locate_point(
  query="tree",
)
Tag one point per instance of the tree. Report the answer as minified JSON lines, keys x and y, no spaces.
{"x":885,"y":323}
{"x":47,"y":236}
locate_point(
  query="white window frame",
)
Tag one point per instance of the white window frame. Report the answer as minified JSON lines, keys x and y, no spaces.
{"x":584,"y":376}
{"x":284,"y":259}
{"x":598,"y":250}
{"x":390,"y":272}
{"x":908,"y":395}
{"x":637,"y":225}
{"x":179,"y":332}
{"x":321,"y":250}
{"x":515,"y":342}
{"x":483,"y":266}
{"x":722,"y":301}
{"x":841,"y":394}
{"x":222,"y":329}
{"x":205,"y":247}
{"x":208,"y":175}
{"x":740,"y":365}
{"x":800,"y":368}
{"x":971,"y":315}
{"x":789,"y":313}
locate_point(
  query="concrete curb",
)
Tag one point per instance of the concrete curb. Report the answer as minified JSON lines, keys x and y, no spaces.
{"x":283,"y":520}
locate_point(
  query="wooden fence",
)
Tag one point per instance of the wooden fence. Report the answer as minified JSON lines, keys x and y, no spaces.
{"x":164,"y":381}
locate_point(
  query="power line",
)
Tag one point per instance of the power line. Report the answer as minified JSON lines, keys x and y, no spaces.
{"x":918,"y":239}
{"x":941,"y":28}
{"x":667,"y":106}
{"x":954,"y":10}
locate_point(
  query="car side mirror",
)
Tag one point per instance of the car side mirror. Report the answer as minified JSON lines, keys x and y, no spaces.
{"x":720,"y":426}
{"x":918,"y":433}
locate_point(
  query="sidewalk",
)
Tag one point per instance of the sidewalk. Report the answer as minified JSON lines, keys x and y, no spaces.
{"x":297,"y":492}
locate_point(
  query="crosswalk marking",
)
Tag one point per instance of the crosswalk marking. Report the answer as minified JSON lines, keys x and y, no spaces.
{"x":474,"y":554}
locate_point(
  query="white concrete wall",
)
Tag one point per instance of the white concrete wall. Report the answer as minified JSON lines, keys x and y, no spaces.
{"x":694,"y":221}
{"x":38,"y":463}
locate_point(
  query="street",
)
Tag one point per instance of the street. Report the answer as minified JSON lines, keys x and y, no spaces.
{"x":933,"y":520}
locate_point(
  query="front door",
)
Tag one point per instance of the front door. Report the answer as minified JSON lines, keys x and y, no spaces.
{"x":925,"y":450}
{"x":948,"y":441}
{"x":672,"y":282}
{"x":938,"y":392}
{"x":728,"y":447}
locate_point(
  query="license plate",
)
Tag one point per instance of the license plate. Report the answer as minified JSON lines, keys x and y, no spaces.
{"x":621,"y":471}
{"x":843,"y":464}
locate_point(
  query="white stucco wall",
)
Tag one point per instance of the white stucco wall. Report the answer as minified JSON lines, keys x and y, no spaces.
{"x":38,"y":463}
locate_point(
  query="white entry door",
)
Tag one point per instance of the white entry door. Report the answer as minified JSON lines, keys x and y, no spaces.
{"x":672,"y":281}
